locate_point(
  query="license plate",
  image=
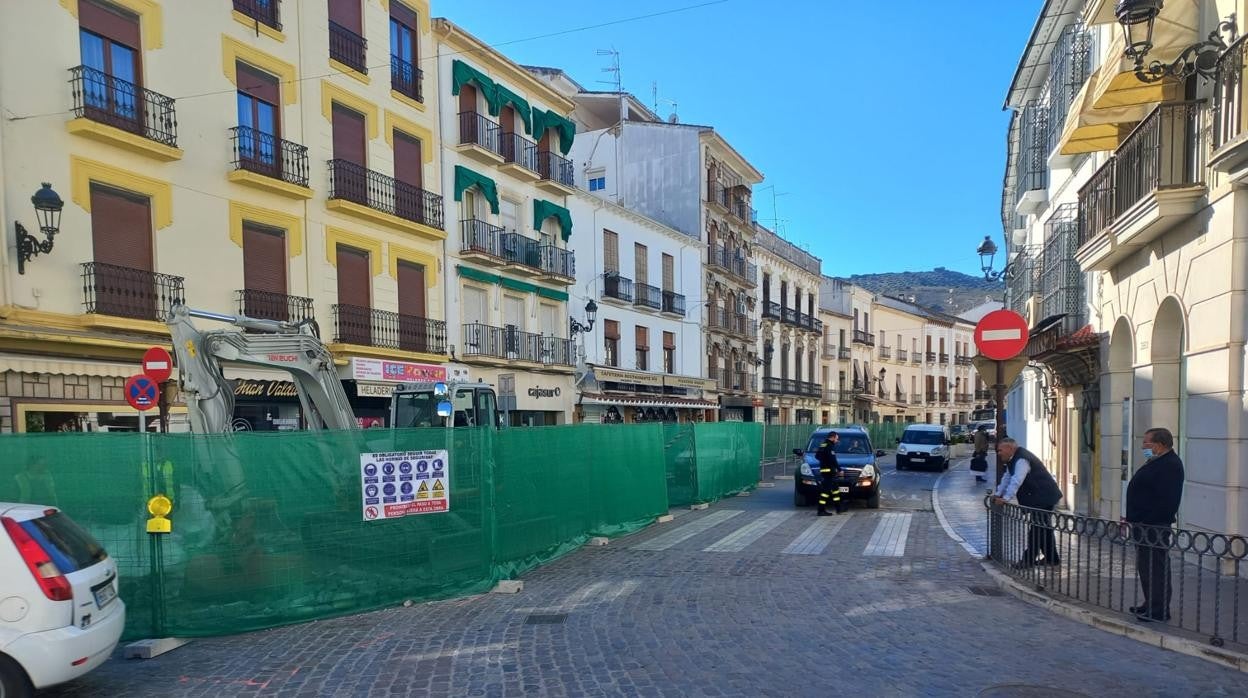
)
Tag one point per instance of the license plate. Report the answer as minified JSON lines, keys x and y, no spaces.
{"x":105,"y":593}
{"x":842,"y":489}
{"x":918,"y":459}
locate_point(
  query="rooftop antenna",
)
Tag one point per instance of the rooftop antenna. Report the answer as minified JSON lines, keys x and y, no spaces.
{"x":617,"y":81}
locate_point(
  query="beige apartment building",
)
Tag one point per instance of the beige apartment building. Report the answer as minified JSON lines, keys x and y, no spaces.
{"x":276,"y":160}
{"x":835,"y":355}
{"x":791,"y":331}
{"x":899,"y":391}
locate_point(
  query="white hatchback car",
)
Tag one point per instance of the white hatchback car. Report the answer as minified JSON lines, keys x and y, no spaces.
{"x":60,"y":616}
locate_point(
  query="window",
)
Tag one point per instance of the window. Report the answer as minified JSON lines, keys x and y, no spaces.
{"x":472,"y":203}
{"x":611,"y":347}
{"x":111,"y":60}
{"x":259,"y":118}
{"x":643,"y":348}
{"x":669,"y":272}
{"x":669,"y":352}
{"x":121,"y":239}
{"x":513,"y":312}
{"x":346,"y":34}
{"x":264,"y":272}
{"x":475,"y":306}
{"x":354,"y":297}
{"x":549,"y":318}
{"x":640,"y":263}
{"x":508,"y":215}
{"x":597,"y":183}
{"x":404,"y":57}
{"x":610,"y":251}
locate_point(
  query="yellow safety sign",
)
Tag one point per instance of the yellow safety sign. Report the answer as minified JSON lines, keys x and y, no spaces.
{"x":423,"y":491}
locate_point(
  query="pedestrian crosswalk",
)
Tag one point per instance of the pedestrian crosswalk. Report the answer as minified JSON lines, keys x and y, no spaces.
{"x":870,"y":534}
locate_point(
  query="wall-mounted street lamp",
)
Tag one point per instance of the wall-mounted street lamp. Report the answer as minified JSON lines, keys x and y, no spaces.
{"x":987,"y":252}
{"x":1138,"y":17}
{"x":591,"y":313}
{"x":48,"y":207}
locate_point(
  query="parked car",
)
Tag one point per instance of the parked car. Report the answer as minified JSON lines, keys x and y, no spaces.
{"x":958,"y":433}
{"x":925,"y":445}
{"x":860,"y":476}
{"x":60,"y":616}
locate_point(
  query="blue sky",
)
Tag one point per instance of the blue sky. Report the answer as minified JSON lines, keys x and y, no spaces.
{"x":879,"y":124}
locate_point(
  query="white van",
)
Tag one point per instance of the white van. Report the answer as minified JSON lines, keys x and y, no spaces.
{"x":924,"y":445}
{"x":60,"y":616}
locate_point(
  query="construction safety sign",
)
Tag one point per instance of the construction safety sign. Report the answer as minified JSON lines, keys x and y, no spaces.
{"x":394,"y":485}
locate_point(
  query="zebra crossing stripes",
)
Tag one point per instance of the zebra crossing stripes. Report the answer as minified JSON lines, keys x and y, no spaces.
{"x":687,"y":531}
{"x":816,"y":537}
{"x":743,"y":537}
{"x":889,"y":539}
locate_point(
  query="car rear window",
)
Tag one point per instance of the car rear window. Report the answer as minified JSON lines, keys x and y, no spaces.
{"x":848,"y":443}
{"x":922,"y":437}
{"x":69,"y":546}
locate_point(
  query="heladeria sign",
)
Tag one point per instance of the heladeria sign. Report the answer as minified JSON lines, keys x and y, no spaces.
{"x":394,"y":485}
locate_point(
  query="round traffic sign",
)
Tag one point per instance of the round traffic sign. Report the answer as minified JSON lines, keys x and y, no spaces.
{"x":141,"y":392}
{"x":1001,"y":335}
{"x":157,"y":364}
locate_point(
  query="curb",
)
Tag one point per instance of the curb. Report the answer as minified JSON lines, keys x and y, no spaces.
{"x":944,"y":522}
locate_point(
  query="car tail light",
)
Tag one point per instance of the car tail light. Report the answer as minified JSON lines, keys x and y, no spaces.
{"x":54,"y":584}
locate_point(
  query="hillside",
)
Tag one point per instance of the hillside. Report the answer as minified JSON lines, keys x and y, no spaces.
{"x":939,"y":289}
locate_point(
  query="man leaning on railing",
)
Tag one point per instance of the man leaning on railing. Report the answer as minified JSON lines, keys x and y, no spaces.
{"x":1027,"y":479}
{"x":1153,"y":498}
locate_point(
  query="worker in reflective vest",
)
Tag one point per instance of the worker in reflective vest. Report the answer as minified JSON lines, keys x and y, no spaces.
{"x":829,"y":472}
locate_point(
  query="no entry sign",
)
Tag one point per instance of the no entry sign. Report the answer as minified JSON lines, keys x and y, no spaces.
{"x":1001,"y":335}
{"x":141,"y":392}
{"x":157,"y":364}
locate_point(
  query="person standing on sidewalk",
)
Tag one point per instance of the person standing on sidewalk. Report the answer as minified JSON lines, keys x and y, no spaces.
{"x":829,"y":472}
{"x":1153,"y":498}
{"x":980,"y":455}
{"x":1028,"y":480}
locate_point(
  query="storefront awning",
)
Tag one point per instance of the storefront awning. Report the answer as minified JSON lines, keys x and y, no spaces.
{"x":615,"y":375}
{"x":663,"y":401}
{"x":1176,"y":28}
{"x":66,"y":367}
{"x":1092,"y":130}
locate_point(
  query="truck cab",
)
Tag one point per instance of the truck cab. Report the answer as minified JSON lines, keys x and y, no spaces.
{"x":416,"y":405}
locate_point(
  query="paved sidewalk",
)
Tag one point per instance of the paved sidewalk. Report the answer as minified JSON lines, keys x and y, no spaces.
{"x":959,"y":502}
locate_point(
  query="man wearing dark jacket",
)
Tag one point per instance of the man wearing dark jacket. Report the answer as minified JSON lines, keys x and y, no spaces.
{"x":829,"y":472}
{"x":1027,"y":479}
{"x":1153,"y":498}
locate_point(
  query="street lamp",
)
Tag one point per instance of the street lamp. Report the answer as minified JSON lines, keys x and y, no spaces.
{"x":987,"y":252}
{"x":591,"y":313}
{"x":1138,"y":18}
{"x":48,"y":207}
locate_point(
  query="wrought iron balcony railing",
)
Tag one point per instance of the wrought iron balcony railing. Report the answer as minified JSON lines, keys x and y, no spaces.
{"x":648,"y":296}
{"x":916,"y":357}
{"x":863,"y":337}
{"x":515,"y":344}
{"x":931,"y":357}
{"x":556,"y":261}
{"x":829,"y":351}
{"x":1227,"y":112}
{"x":137,"y":294}
{"x":962,"y":398}
{"x":480,"y":237}
{"x":885,"y":352}
{"x":519,"y":150}
{"x":476,"y":129}
{"x":845,"y":353}
{"x":266,"y":305}
{"x":268,"y":155}
{"x":720,"y":258}
{"x":406,"y":79}
{"x":358,"y":184}
{"x":771,"y":310}
{"x":266,"y":12}
{"x":916,"y":398}
{"x":554,"y":167}
{"x":903,"y":356}
{"x":110,"y":100}
{"x":983,"y":394}
{"x":348,"y":48}
{"x":1061,"y":285}
{"x":383,"y":329}
{"x":964,"y":361}
{"x":944,"y":358}
{"x":791,"y":386}
{"x":673,"y":303}
{"x":620,"y":288}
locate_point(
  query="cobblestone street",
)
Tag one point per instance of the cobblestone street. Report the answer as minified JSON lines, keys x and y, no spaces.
{"x":747,"y":598}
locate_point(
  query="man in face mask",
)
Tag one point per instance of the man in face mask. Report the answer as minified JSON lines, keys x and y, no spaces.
{"x":1153,"y":498}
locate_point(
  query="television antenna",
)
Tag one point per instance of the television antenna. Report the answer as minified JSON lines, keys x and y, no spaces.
{"x":617,"y":81}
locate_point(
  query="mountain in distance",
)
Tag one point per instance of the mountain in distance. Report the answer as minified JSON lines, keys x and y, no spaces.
{"x":940,"y":289}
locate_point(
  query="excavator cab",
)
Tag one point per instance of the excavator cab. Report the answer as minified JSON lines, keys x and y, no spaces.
{"x":444,"y":405}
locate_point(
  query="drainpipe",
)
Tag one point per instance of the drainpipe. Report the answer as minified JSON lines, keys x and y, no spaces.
{"x":1235,"y":421}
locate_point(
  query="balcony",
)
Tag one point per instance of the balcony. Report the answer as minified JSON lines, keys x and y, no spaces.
{"x":981,"y":395}
{"x":556,"y":264}
{"x":844,"y":353}
{"x":121,"y":113}
{"x":555,"y":172}
{"x":400,"y":203}
{"x":265,"y":305}
{"x":407,"y":79}
{"x":944,"y":398}
{"x":123,"y":292}
{"x":1230,"y":119}
{"x":964,"y":361}
{"x":481,"y":241}
{"x":1154,"y":181}
{"x":900,"y":397}
{"x":944,"y":358}
{"x":885,"y":352}
{"x":282,"y":165}
{"x":673,"y":303}
{"x":265,"y":12}
{"x":716,"y":195}
{"x":931,"y":357}
{"x":348,"y":48}
{"x":1062,"y":282}
{"x":480,"y":138}
{"x":916,"y":357}
{"x":369,"y":327}
{"x":790,"y":386}
{"x":619,"y":288}
{"x":512,"y":344}
{"x":771,"y":310}
{"x":962,"y":398}
{"x":789,"y":316}
{"x":718,"y":257}
{"x":902,"y":356}
{"x":731,"y":323}
{"x":519,"y":156}
{"x":862,"y":388}
{"x":865,"y":338}
{"x":648,"y":296}
{"x":829,"y":351}
{"x":916,"y":398}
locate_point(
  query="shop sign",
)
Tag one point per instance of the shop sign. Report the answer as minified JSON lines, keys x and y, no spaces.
{"x":539,"y":392}
{"x":373,"y":390}
{"x":689,"y":382}
{"x":611,"y":375}
{"x":247,"y":387}
{"x":396,"y":371}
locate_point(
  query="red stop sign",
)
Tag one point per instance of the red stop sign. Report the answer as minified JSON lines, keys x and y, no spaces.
{"x":1001,"y":335}
{"x":157,"y":365}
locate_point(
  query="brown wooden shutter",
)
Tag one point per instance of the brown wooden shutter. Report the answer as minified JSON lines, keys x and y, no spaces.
{"x":121,"y":241}
{"x":408,"y":160}
{"x":610,"y":251}
{"x":641,"y":263}
{"x":258,"y":84}
{"x":348,"y":13}
{"x":110,"y":22}
{"x":264,"y":259}
{"x":355,"y":324}
{"x":642,"y":337}
{"x":611,"y":329}
{"x":669,"y":272}
{"x":350,"y":143}
{"x":669,"y":340}
{"x":403,"y":14}
{"x":413,"y":327}
{"x":468,"y":103}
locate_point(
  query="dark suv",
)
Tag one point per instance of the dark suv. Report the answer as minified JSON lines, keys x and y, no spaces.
{"x":859,"y":477}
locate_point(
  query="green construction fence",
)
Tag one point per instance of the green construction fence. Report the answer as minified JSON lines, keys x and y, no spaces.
{"x":779,"y":440}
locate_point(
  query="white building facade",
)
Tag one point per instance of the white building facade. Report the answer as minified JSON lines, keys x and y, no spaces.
{"x":790,"y":331}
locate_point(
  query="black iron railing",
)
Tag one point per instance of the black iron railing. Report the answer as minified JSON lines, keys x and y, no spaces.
{"x":964,"y":361}
{"x":885,"y":352}
{"x":1228,"y":95}
{"x":266,"y":305}
{"x":138,"y":294}
{"x":916,"y":398}
{"x":931,"y":357}
{"x":263,"y":11}
{"x":916,"y":357}
{"x":618,"y":287}
{"x":829,"y":351}
{"x":521,"y":249}
{"x":791,"y":386}
{"x":944,"y":358}
{"x":348,"y":48}
{"x":845,"y":353}
{"x":1061,"y":279}
{"x":931,"y":396}
{"x":1104,"y":564}
{"x":554,"y":167}
{"x":864,"y":337}
{"x":109,"y":100}
{"x":358,"y":184}
{"x":268,"y":155}
{"x":962,"y":397}
{"x":475,"y":129}
{"x":519,"y":150}
{"x":517,"y":345}
{"x":903,"y":356}
{"x":673,"y":303}
{"x":789,"y":316}
{"x":557,"y":261}
{"x":771,"y":310}
{"x":983,"y":394}
{"x":721,"y":258}
{"x":944,"y":397}
{"x":386,"y":330}
{"x":480,"y":237}
{"x":648,"y":296}
{"x":406,"y":79}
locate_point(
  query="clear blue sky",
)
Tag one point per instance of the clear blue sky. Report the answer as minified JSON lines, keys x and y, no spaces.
{"x":879,"y":123}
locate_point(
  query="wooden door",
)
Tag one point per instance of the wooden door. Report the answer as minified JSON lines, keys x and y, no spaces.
{"x":413,"y":327}
{"x":350,"y":155}
{"x":409,"y":196}
{"x":121,"y":238}
{"x":354,"y":300}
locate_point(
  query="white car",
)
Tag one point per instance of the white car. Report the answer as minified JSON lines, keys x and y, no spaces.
{"x":60,"y":616}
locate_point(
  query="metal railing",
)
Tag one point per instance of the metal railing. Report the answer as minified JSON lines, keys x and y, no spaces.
{"x":521,"y":249}
{"x":900,"y":396}
{"x":829,"y":351}
{"x":554,"y":167}
{"x":962,"y":397}
{"x":517,"y":345}
{"x":1227,"y":110}
{"x":137,"y":294}
{"x":944,"y":397}
{"x":383,"y":329}
{"x":771,"y":310}
{"x":406,"y":79}
{"x":931,"y":357}
{"x":885,"y":352}
{"x":1105,"y":564}
{"x":791,"y":386}
{"x":1061,"y":280}
{"x":944,"y":358}
{"x":983,"y":394}
{"x":673,"y":303}
{"x":476,"y":129}
{"x":845,"y":353}
{"x":1033,"y":147}
{"x":480,"y":237}
{"x":110,"y":100}
{"x":621,"y":288}
{"x":348,"y":48}
{"x":931,"y":396}
{"x":519,"y":150}
{"x":268,"y":155}
{"x":903,"y":356}
{"x":964,"y":361}
{"x":263,"y":11}
{"x":719,"y":257}
{"x":789,"y":316}
{"x":916,"y":398}
{"x":648,"y":296}
{"x":916,"y":357}
{"x":358,"y":184}
{"x":864,"y":337}
{"x":267,"y":305}
{"x":556,"y":261}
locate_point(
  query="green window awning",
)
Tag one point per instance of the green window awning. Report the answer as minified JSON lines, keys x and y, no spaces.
{"x":552,"y":294}
{"x":477,"y":274}
{"x":462,"y":74}
{"x":544,"y":119}
{"x":465,"y":178}
{"x":543,"y":209}
{"x":520,"y":104}
{"x":514,"y":284}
